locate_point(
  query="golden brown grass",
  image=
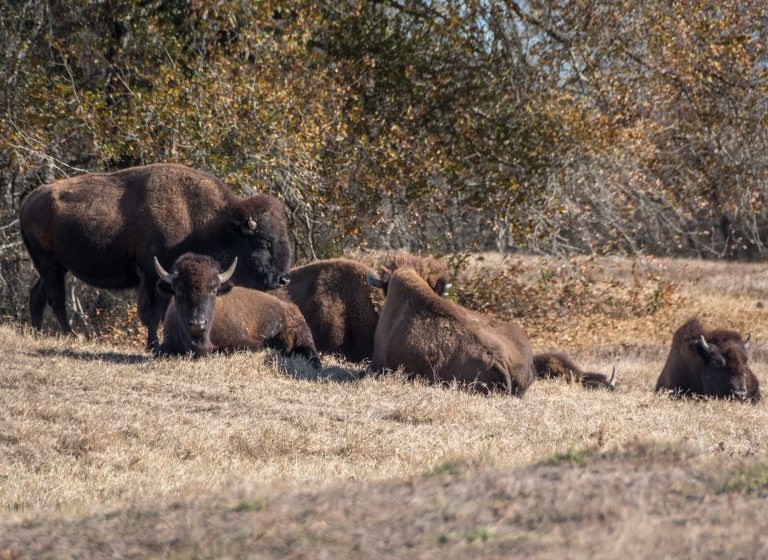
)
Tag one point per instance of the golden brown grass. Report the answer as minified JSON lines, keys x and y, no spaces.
{"x":106,"y":452}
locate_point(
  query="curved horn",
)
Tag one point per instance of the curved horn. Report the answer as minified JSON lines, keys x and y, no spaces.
{"x":227,"y":274}
{"x":612,"y":380}
{"x":704,"y":344}
{"x":746,"y":340}
{"x":164,"y":275}
{"x":570,"y":376}
{"x":252,"y":223}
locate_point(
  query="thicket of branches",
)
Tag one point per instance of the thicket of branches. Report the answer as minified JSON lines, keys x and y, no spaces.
{"x":547,"y":125}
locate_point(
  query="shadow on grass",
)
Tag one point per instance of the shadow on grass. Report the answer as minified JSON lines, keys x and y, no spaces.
{"x":112,"y":357}
{"x":299,"y":368}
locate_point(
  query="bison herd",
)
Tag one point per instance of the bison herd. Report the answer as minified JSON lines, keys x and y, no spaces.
{"x":216,"y":270}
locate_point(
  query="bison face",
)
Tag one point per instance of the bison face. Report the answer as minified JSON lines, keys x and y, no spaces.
{"x":725,"y":369}
{"x":261,"y":243}
{"x":194,"y":284}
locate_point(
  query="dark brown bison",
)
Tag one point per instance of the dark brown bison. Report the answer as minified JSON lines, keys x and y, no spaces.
{"x":105,"y":228}
{"x":554,"y":365}
{"x":207,"y":313}
{"x":708,"y":363}
{"x":440,"y":341}
{"x":342,"y":308}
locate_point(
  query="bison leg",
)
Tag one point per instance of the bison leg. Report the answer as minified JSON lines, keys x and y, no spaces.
{"x":38,"y":297}
{"x":49,"y":288}
{"x":151,"y":307}
{"x":54,"y":286}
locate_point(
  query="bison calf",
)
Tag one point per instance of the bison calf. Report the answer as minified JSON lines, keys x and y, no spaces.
{"x":440,"y":341}
{"x":342,"y":308}
{"x":207,"y":313}
{"x":708,"y":363}
{"x":556,"y":365}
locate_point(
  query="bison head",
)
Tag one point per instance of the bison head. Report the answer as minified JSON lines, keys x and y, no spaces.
{"x":195,"y":282}
{"x":261,"y":243}
{"x":431,"y":270}
{"x":725,"y":372}
{"x":592,"y":380}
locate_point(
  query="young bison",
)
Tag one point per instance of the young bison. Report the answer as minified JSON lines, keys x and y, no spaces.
{"x":207,"y":313}
{"x":708,"y":363}
{"x":555,"y":365}
{"x":342,"y":308}
{"x":436,"y":339}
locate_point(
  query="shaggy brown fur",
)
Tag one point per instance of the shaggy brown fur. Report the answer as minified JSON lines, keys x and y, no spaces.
{"x":442,"y":342}
{"x":342,"y":308}
{"x":105,"y":228}
{"x":716,"y":366}
{"x":198,"y":322}
{"x":554,"y":365}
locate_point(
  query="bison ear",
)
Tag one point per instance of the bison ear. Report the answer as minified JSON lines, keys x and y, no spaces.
{"x":441,"y":287}
{"x":247,"y":225}
{"x":224,"y":288}
{"x":165,"y":288}
{"x":377,"y":282}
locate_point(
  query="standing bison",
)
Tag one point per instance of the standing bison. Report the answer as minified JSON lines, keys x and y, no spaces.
{"x":207,"y":313}
{"x":440,"y":341}
{"x":554,"y":365}
{"x":105,"y":228}
{"x":342,"y":308}
{"x":708,"y":363}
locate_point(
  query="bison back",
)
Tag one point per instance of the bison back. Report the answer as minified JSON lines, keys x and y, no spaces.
{"x":99,"y":225}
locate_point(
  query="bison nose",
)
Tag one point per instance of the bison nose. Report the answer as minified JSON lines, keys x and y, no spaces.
{"x":197,"y":326}
{"x":740,"y":394}
{"x":283,"y":279}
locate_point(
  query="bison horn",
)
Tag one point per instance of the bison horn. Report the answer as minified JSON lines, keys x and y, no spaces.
{"x":612,"y":380}
{"x":164,"y":275}
{"x":704,"y":344}
{"x":252,"y":223}
{"x":227,"y":274}
{"x":373,"y":281}
{"x":746,"y":340}
{"x":570,"y":376}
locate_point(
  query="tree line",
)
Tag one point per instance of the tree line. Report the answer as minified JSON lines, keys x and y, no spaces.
{"x":557,"y":126}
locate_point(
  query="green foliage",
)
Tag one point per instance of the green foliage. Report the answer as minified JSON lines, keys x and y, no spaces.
{"x":573,"y":456}
{"x":747,"y":478}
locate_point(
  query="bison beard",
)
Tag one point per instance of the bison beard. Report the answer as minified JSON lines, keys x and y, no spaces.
{"x":105,"y":228}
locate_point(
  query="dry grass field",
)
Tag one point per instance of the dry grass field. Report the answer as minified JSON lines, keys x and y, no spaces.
{"x":105,"y":452}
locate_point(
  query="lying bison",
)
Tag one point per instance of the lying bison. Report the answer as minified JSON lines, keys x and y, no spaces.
{"x":554,"y":365}
{"x":342,"y":308}
{"x":207,"y":313}
{"x":105,"y":228}
{"x":440,"y":341}
{"x":708,"y":363}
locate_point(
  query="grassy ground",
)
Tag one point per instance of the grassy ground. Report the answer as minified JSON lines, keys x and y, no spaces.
{"x":105,"y":452}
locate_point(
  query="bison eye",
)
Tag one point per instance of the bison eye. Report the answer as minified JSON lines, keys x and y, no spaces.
{"x":213,"y":293}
